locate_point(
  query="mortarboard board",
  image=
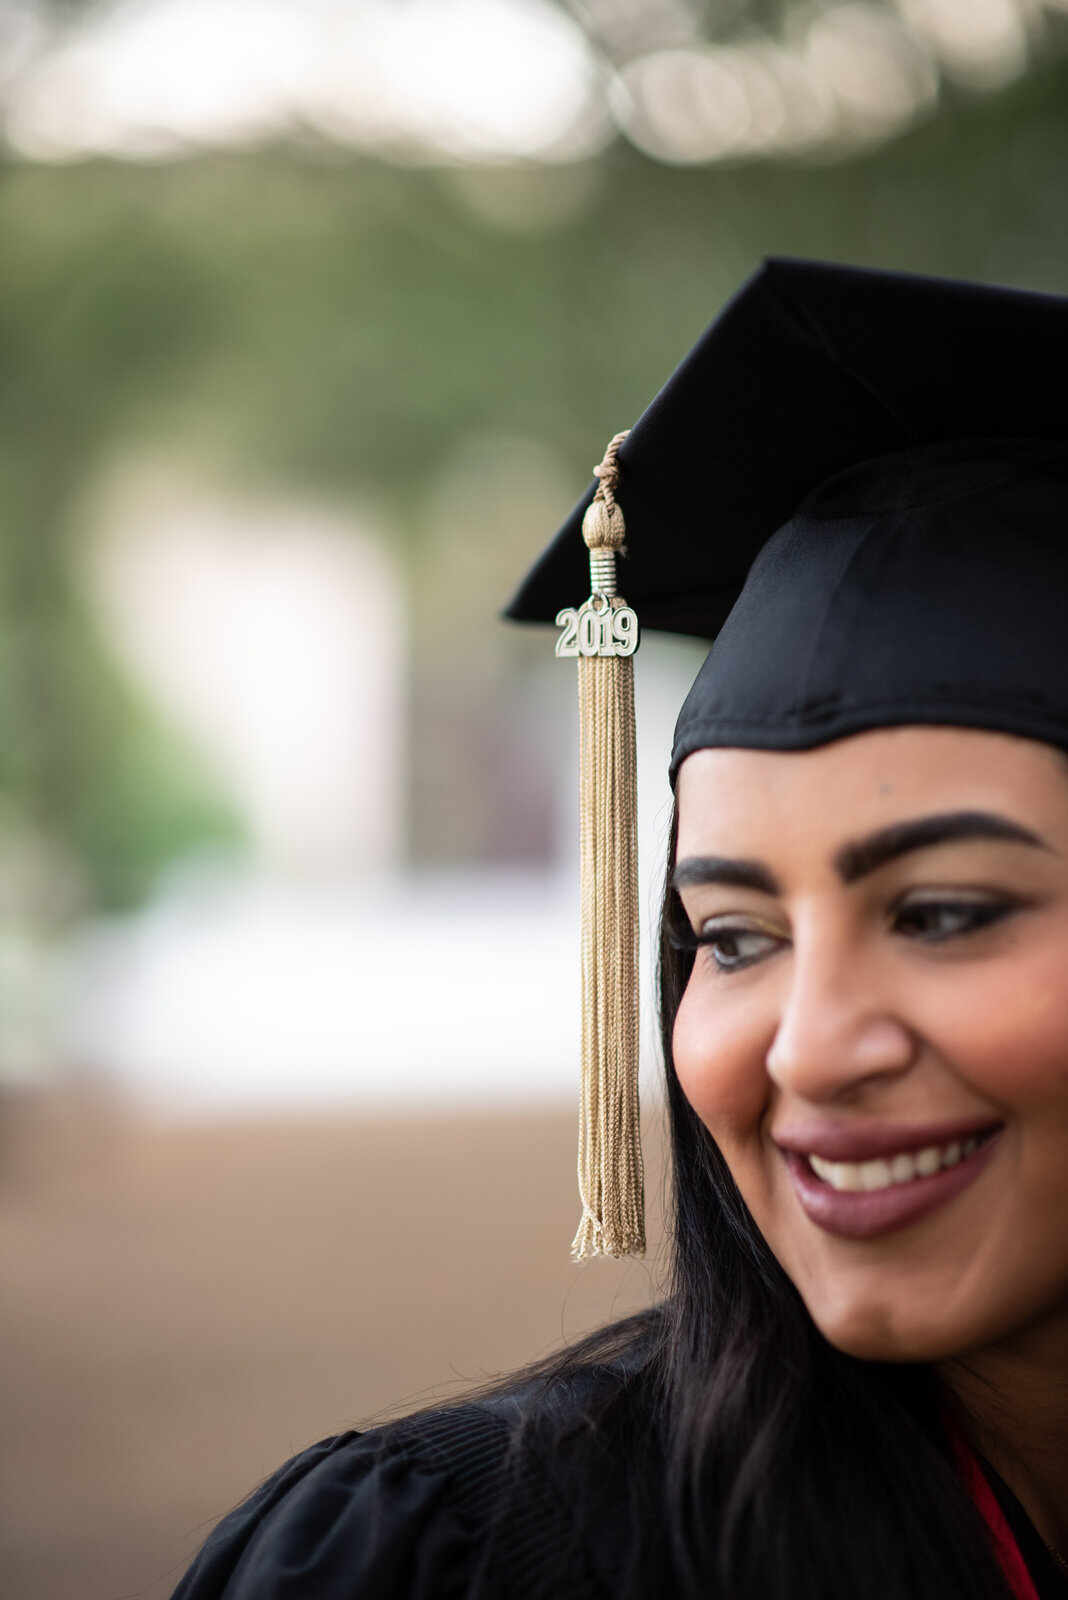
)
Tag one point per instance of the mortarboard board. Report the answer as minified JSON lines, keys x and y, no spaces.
{"x":857,"y":482}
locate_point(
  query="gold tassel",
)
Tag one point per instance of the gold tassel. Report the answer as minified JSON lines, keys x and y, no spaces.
{"x":604,"y":635}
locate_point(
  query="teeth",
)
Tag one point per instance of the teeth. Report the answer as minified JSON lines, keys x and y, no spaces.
{"x":902,"y":1169}
{"x":928,"y":1161}
{"x":854,"y":1176}
{"x":875,"y":1174}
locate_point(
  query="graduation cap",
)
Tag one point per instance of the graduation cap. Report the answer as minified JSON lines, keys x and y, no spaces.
{"x":857,"y":484}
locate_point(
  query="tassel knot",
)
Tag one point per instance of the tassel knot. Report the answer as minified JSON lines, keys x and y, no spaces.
{"x":602,"y":526}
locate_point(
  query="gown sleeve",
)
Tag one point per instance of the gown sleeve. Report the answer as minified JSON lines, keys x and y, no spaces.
{"x":348,"y":1519}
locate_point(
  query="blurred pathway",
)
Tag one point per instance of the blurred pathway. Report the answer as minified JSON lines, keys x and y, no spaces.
{"x":185,"y":1306}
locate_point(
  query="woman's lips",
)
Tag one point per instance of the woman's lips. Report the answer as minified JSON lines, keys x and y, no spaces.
{"x":865,"y":1214}
{"x":861,"y":1140}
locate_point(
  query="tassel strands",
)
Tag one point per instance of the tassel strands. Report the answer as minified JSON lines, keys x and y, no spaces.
{"x":611,"y":1184}
{"x":603,"y":634}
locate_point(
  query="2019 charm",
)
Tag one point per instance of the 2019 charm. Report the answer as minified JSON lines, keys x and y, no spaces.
{"x":600,"y":627}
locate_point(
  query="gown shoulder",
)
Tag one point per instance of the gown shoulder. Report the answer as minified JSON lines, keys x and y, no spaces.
{"x":407,"y":1511}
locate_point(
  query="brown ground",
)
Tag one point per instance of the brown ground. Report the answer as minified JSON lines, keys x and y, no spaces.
{"x":184,"y":1307}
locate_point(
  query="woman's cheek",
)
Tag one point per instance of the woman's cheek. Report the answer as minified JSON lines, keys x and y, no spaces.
{"x":720,"y":1052}
{"x":1009,"y":1040}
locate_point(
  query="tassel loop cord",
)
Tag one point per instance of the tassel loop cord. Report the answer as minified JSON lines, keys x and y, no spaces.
{"x":607,"y":473}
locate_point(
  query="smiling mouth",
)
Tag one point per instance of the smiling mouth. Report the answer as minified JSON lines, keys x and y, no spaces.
{"x":889,"y":1191}
{"x":905,"y":1167}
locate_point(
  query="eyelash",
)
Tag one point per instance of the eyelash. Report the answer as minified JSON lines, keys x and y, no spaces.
{"x":686,"y":939}
{"x":972,"y":915}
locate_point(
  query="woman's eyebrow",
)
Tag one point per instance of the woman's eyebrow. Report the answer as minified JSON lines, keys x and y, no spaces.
{"x":738,"y":873}
{"x":856,"y":860}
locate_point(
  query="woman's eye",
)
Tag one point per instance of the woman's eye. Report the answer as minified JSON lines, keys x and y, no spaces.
{"x":733,"y":945}
{"x":935,"y":920}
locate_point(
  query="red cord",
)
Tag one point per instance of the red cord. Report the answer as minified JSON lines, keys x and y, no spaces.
{"x":1006,"y":1549}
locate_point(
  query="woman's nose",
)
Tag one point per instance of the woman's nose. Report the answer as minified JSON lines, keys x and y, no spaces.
{"x":839,"y":1029}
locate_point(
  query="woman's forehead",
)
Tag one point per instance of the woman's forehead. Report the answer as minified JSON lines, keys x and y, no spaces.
{"x":868,"y":780}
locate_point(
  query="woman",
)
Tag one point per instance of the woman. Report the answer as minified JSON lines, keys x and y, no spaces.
{"x":856,"y":1385}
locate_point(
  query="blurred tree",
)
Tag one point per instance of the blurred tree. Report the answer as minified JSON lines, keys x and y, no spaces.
{"x":340,"y":326}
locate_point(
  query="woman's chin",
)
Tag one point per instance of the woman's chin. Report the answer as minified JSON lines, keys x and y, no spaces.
{"x":878,"y":1332}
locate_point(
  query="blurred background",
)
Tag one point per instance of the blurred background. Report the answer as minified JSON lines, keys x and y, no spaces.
{"x":314,"y":316}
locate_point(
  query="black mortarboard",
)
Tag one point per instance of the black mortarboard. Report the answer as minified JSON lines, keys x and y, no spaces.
{"x":863,"y":446}
{"x":857,"y":483}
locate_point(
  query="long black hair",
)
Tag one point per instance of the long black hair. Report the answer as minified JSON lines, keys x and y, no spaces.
{"x":759,"y":1462}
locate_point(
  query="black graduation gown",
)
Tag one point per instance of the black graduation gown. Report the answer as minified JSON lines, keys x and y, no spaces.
{"x":405,"y":1512}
